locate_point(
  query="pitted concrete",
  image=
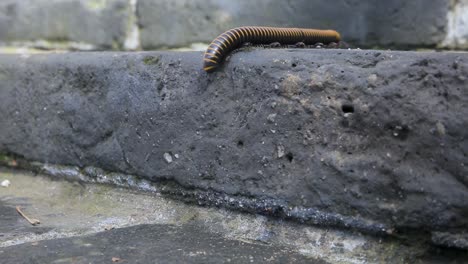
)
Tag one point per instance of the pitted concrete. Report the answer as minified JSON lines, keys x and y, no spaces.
{"x":352,"y":138}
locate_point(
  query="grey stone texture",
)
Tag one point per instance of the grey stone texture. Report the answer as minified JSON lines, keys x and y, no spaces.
{"x":400,"y":23}
{"x":396,"y":23}
{"x":179,"y":23}
{"x":102,"y":24}
{"x":152,"y":244}
{"x":369,"y":135}
{"x":81,"y":212}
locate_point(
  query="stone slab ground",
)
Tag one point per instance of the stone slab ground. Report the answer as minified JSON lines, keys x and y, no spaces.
{"x":96,"y":223}
{"x":373,"y":141}
{"x":83,"y":223}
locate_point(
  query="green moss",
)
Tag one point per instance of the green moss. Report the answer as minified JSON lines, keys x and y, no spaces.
{"x":150,"y":60}
{"x":97,"y":202}
{"x":18,"y":50}
{"x":3,"y":158}
{"x":9,"y":50}
{"x":6,"y":160}
{"x":188,"y":217}
{"x":96,"y":4}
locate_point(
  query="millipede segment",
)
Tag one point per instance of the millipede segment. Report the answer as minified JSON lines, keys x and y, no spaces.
{"x":232,"y":39}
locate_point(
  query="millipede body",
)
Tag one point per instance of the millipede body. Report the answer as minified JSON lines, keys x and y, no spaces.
{"x":234,"y":38}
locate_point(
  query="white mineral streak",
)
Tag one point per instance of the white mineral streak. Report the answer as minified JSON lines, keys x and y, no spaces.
{"x":457,"y":25}
{"x":132,"y":41}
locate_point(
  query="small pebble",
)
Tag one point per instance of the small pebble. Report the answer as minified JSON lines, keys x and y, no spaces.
{"x":271,"y":118}
{"x":280,"y":150}
{"x":440,"y":129}
{"x":168,"y":157}
{"x":5,"y":183}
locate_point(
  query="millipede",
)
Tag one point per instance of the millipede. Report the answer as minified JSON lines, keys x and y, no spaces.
{"x":234,"y":38}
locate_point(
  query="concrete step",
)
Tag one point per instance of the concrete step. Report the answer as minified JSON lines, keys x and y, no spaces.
{"x":374,"y":141}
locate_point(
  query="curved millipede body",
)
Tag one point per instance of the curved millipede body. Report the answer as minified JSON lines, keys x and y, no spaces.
{"x":234,"y":38}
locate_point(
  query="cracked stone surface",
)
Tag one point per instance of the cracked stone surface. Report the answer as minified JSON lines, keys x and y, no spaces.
{"x":375,"y":136}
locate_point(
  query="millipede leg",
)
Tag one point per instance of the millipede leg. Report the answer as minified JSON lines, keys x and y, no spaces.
{"x":318,"y":45}
{"x":246,"y":45}
{"x":300,"y":45}
{"x":332,"y":45}
{"x":274,"y":45}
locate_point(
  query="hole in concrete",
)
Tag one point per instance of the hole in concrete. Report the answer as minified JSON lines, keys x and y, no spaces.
{"x":289,"y":156}
{"x":240,"y":143}
{"x":347,"y":108}
{"x":294,"y":65}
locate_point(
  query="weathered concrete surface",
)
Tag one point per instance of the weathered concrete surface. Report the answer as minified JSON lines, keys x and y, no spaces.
{"x":72,"y":212}
{"x":151,"y":244}
{"x":367,"y":139}
{"x":401,"y":23}
{"x":91,"y":24}
{"x":396,"y":23}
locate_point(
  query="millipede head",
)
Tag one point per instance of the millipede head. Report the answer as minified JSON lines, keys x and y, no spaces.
{"x":337,"y":35}
{"x":209,"y":65}
{"x":210,"y":62}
